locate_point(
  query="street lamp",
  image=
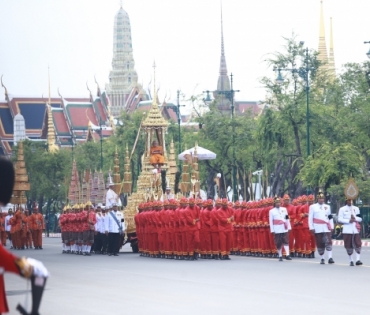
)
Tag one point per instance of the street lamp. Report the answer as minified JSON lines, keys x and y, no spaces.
{"x":368,"y":53}
{"x":303,"y":72}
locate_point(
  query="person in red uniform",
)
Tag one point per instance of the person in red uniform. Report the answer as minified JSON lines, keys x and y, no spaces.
{"x":167,"y":241}
{"x":191,"y":219}
{"x":305,"y":231}
{"x":37,"y":227}
{"x":215,"y":237}
{"x":182,"y":239}
{"x":299,"y":216}
{"x":236,"y":248}
{"x":312,"y":240}
{"x":161,"y":213}
{"x":225,"y":217}
{"x":206,"y":228}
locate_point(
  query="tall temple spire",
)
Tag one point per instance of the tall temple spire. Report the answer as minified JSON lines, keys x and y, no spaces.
{"x":223,"y":83}
{"x":52,"y":147}
{"x":323,"y":53}
{"x":331,"y":51}
{"x":123,"y":77}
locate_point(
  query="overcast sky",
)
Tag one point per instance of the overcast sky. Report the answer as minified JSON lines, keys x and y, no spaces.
{"x":75,"y":37}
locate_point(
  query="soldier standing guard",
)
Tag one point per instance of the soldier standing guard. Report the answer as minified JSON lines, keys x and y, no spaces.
{"x":279,"y":227}
{"x":320,"y":222}
{"x":38,"y":226}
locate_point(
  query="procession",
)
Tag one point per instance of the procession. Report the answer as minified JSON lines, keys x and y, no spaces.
{"x":176,"y":157}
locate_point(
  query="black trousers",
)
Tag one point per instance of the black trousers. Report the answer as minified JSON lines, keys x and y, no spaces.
{"x":96,"y":247}
{"x":113,"y":242}
{"x":104,"y":242}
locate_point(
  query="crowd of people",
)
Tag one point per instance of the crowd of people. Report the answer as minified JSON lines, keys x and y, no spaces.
{"x":272,"y":227}
{"x":85,"y":229}
{"x":23,"y":230}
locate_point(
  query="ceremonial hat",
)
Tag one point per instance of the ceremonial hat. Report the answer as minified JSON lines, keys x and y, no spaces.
{"x":208,"y":202}
{"x":99,"y":205}
{"x":311,"y":197}
{"x":320,"y":194}
{"x":218,"y":201}
{"x":166,"y":203}
{"x":183,"y":201}
{"x":237,"y":204}
{"x":199,"y":201}
{"x":191,"y":201}
{"x":224,"y":202}
{"x":244,"y":204}
{"x":303,"y":198}
{"x":114,"y":204}
{"x":286,"y":197}
{"x":277,"y":199}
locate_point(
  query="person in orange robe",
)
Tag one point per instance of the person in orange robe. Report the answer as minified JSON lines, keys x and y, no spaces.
{"x":37,"y":226}
{"x":156,"y":154}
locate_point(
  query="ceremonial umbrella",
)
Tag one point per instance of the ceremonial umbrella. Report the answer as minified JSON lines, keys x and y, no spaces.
{"x":202,"y":153}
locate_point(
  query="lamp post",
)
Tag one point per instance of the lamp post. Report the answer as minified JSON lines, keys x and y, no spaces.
{"x":303,"y":72}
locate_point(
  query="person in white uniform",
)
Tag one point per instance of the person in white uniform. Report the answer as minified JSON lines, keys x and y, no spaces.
{"x":114,"y":228}
{"x":320,"y":222}
{"x":350,"y":217}
{"x":280,"y":227}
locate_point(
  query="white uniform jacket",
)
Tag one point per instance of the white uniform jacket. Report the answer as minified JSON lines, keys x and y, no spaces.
{"x":7,"y":225}
{"x":100,"y":224}
{"x":110,"y":223}
{"x":345,"y":215}
{"x":278,"y":220}
{"x":318,"y":218}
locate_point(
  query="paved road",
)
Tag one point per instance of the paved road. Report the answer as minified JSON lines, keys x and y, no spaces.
{"x":130,"y":284}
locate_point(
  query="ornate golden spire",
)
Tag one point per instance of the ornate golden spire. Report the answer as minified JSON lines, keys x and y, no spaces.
{"x":116,"y":174}
{"x":323,"y":53}
{"x":21,"y":183}
{"x":154,"y":117}
{"x":172,"y":160}
{"x":331,"y":51}
{"x":127,"y":177}
{"x":52,"y":147}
